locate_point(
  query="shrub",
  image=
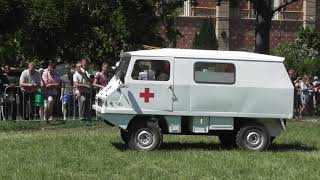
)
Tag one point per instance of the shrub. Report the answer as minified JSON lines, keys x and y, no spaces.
{"x":206,"y":39}
{"x":303,"y":54}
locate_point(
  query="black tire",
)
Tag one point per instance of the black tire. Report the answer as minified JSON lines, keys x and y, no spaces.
{"x":253,"y":138}
{"x":145,"y":136}
{"x":124,"y":135}
{"x":228,"y":140}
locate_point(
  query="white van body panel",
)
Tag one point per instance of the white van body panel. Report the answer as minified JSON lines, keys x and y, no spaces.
{"x":255,"y":93}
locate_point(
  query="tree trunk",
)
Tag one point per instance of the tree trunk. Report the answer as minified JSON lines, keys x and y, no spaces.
{"x":262,"y":34}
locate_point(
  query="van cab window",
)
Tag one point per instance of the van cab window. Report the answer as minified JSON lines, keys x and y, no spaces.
{"x":151,"y":70}
{"x":220,"y":73}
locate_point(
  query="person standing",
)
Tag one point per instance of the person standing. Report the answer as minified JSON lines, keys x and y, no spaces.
{"x":101,"y":80}
{"x":66,"y":89}
{"x":39,"y":101}
{"x":304,"y":88}
{"x":4,"y":82}
{"x":81,"y":82}
{"x":51,"y":81}
{"x":30,"y":81}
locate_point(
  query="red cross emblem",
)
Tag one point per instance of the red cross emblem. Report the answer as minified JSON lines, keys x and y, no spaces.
{"x":146,"y":95}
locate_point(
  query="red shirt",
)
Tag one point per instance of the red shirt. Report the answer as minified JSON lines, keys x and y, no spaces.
{"x":102,"y":79}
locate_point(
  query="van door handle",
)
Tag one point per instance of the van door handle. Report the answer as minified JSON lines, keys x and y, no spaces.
{"x":174,"y":97}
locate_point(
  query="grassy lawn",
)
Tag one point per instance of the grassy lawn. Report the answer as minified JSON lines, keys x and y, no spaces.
{"x":95,"y":151}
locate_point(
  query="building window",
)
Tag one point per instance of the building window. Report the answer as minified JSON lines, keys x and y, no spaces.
{"x":218,"y":73}
{"x":151,"y":70}
{"x":202,"y":9}
{"x":247,"y":12}
{"x":187,"y":8}
{"x":292,"y":12}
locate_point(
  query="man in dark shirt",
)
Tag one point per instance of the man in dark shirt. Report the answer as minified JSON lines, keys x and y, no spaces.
{"x":4,"y":82}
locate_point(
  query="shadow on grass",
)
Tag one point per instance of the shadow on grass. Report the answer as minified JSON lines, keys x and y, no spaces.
{"x":177,"y":146}
{"x":292,"y":147}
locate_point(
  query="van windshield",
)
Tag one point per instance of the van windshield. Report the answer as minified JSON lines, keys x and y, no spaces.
{"x":123,"y":66}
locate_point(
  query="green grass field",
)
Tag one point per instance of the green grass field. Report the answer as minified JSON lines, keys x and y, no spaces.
{"x":80,"y":151}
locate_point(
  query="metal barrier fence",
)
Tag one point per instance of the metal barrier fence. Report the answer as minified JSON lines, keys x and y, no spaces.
{"x":18,"y":105}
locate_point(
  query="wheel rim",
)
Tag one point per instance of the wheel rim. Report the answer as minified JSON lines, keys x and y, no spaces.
{"x":254,"y":139}
{"x":145,"y":139}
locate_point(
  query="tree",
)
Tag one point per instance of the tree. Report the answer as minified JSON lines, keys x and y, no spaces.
{"x":13,"y":14}
{"x":72,"y":29}
{"x":43,"y":32}
{"x":206,"y":39}
{"x":264,"y":11}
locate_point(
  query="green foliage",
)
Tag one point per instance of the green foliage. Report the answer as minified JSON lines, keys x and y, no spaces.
{"x":45,"y":30}
{"x":303,"y":55}
{"x":311,"y":38}
{"x":206,"y":39}
{"x":42,"y":35}
{"x":13,"y":14}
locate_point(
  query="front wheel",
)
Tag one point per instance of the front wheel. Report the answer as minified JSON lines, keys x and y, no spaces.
{"x":145,"y":136}
{"x":253,"y":138}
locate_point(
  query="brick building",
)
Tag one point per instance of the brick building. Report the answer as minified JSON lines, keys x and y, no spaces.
{"x":235,"y":24}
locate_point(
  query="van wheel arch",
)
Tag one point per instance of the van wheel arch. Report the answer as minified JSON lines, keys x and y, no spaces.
{"x":159,"y":120}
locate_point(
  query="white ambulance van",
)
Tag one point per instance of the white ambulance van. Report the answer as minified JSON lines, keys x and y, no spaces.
{"x":243,"y":98}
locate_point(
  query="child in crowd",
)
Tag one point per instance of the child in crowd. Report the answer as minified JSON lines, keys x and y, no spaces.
{"x":66,"y":89}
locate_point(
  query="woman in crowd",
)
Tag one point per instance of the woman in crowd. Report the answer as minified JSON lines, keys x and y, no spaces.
{"x":101,"y":79}
{"x":304,"y":94}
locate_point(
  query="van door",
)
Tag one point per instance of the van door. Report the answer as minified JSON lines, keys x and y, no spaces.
{"x":150,"y":84}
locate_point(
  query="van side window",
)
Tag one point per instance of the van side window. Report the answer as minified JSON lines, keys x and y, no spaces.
{"x":220,"y":73}
{"x":151,"y":70}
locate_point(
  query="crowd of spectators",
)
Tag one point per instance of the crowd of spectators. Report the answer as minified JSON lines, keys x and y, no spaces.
{"x":306,"y":94}
{"x":43,"y":88}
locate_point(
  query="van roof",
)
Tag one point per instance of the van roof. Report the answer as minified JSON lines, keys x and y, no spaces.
{"x":207,"y":54}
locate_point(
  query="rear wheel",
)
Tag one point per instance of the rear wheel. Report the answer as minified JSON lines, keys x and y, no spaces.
{"x":145,"y":136}
{"x":253,"y":138}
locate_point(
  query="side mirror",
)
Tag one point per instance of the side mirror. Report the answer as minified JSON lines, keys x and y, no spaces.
{"x":122,"y":75}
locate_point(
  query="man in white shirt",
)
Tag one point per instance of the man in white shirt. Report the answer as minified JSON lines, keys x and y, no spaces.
{"x":82,"y":89}
{"x":30,"y":81}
